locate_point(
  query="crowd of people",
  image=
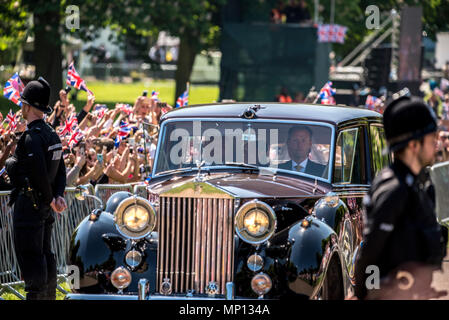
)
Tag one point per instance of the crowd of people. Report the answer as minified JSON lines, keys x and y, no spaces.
{"x":435,"y":94}
{"x":100,"y":145}
{"x":103,"y":145}
{"x":295,"y":11}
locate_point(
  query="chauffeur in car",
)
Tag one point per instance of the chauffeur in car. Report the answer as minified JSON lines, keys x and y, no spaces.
{"x":245,"y":201}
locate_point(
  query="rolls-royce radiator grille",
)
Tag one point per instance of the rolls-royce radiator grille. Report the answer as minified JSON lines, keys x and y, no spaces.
{"x":196,"y":243}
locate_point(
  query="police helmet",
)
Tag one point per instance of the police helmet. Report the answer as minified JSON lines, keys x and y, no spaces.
{"x":37,"y":94}
{"x":115,"y":199}
{"x":406,"y":119}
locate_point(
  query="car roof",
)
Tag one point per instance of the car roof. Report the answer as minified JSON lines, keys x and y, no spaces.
{"x":272,"y":110}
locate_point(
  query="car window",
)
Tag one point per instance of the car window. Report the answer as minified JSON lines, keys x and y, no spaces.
{"x":259,"y":143}
{"x":378,"y":144}
{"x":348,"y":158}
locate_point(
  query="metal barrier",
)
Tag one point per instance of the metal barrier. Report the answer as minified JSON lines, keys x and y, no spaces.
{"x":64,"y":226}
{"x":63,"y":229}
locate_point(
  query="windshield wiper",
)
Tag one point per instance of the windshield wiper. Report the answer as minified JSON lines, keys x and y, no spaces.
{"x":242,"y":164}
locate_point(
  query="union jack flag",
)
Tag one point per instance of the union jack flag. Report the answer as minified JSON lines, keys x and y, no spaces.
{"x":155,"y":95}
{"x":11,"y":118}
{"x":326,"y":94}
{"x":323,"y":33}
{"x":124,"y":129}
{"x":100,"y":110}
{"x":69,"y":126}
{"x":75,"y":138}
{"x":75,"y":80}
{"x":370,"y":102}
{"x":331,"y":33}
{"x":13,"y":88}
{"x":183,"y":100}
{"x":126,"y":108}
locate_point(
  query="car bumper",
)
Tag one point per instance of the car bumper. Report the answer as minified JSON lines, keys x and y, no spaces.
{"x":81,"y":296}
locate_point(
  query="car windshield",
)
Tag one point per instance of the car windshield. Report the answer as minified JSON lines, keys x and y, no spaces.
{"x":301,"y":147}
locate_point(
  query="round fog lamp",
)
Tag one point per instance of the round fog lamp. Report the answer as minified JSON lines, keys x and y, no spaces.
{"x":133,"y":258}
{"x":255,"y":262}
{"x":261,"y":284}
{"x":121,"y":278}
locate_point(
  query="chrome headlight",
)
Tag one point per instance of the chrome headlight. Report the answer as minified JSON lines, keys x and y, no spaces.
{"x":255,"y":222}
{"x":135,"y":217}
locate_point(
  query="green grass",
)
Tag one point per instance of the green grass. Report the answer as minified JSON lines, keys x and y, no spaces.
{"x":111,"y":93}
{"x":20,"y":289}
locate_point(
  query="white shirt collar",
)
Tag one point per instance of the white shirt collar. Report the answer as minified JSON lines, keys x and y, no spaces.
{"x":302,"y":164}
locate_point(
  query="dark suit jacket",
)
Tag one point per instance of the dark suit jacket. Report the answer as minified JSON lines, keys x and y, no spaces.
{"x":312,"y":168}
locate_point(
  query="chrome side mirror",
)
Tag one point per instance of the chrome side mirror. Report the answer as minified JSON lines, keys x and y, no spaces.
{"x":82,"y":192}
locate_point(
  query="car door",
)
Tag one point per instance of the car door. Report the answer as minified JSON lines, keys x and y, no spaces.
{"x":350,"y":180}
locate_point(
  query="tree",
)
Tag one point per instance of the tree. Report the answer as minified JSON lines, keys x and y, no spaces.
{"x":192,"y":20}
{"x":196,"y":23}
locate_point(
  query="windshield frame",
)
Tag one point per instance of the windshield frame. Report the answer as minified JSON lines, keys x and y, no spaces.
{"x":294,"y":122}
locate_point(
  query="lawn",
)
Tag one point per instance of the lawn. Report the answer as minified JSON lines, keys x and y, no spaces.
{"x":20,"y":289}
{"x":111,"y":93}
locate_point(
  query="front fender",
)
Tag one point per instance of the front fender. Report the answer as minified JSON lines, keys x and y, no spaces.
{"x":304,"y":250}
{"x":97,"y":249}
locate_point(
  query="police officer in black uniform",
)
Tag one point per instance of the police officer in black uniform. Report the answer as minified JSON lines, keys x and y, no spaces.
{"x":401,"y":234}
{"x":38,"y":174}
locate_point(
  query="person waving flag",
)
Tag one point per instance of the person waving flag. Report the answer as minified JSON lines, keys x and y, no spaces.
{"x":75,"y":138}
{"x":327,"y":94}
{"x":155,"y":95}
{"x":124,"y":129}
{"x":183,"y":100}
{"x":69,"y":125}
{"x":371,"y":101}
{"x":11,"y":119}
{"x":126,"y":108}
{"x":13,"y":88}
{"x":74,"y":79}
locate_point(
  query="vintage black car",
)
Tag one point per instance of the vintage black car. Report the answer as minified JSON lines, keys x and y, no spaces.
{"x":230,"y":214}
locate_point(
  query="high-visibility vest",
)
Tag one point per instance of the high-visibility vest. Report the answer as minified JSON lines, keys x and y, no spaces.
{"x":283,"y":98}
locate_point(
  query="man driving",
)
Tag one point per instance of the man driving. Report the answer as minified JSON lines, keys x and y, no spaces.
{"x":299,"y":144}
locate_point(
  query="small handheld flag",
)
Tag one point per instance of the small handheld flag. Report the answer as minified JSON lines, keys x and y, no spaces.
{"x":326,"y":94}
{"x":11,"y":118}
{"x":75,"y":80}
{"x":13,"y":88}
{"x":69,"y":125}
{"x":155,"y":95}
{"x":75,"y":138}
{"x":370,"y":102}
{"x":183,"y":100}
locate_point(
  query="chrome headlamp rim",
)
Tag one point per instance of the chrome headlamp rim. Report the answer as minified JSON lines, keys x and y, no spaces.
{"x":245,"y":209}
{"x":122,"y":208}
{"x":133,"y":255}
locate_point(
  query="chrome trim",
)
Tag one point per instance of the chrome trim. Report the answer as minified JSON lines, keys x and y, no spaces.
{"x":83,"y":296}
{"x":245,"y":209}
{"x":315,"y":123}
{"x":230,"y":291}
{"x":143,"y":288}
{"x":136,"y":201}
{"x":205,"y":253}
